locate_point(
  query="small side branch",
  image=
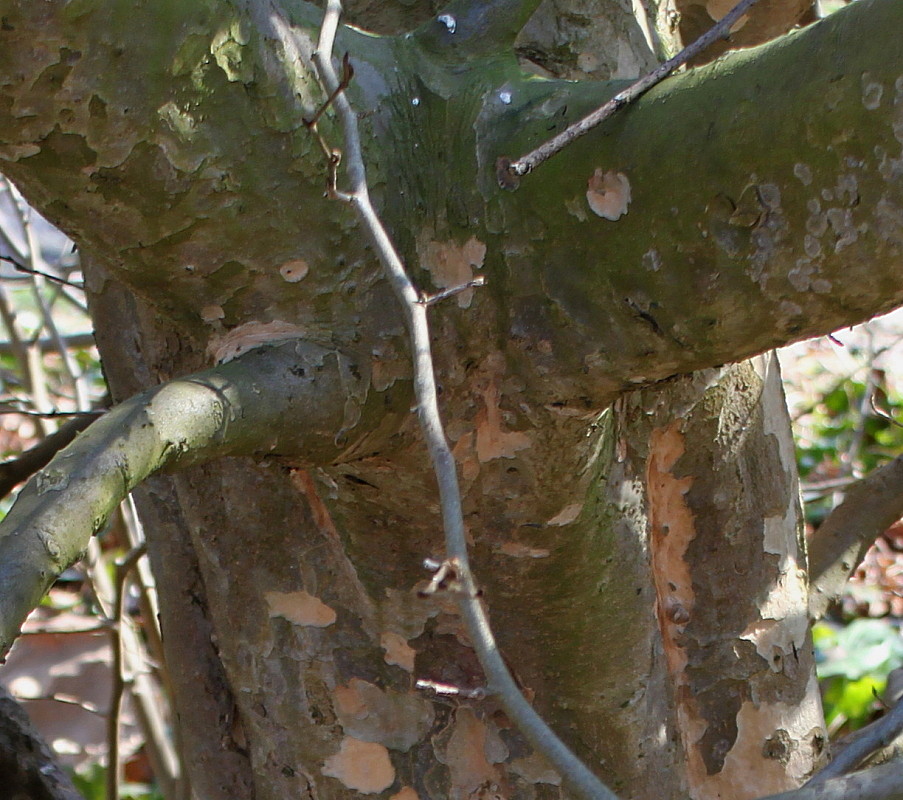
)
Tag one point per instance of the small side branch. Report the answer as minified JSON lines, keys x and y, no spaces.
{"x":509,"y":172}
{"x":870,"y":507}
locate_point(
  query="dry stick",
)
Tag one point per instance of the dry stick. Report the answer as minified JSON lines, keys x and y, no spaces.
{"x":510,"y":171}
{"x":415,"y":308}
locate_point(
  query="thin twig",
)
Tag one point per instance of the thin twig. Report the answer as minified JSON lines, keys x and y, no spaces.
{"x":869,"y":740}
{"x":438,"y":297}
{"x":500,"y":681}
{"x":20,"y":267}
{"x":509,"y":172}
{"x":24,"y":412}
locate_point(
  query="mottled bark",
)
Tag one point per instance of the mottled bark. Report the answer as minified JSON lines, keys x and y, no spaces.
{"x":642,"y":566}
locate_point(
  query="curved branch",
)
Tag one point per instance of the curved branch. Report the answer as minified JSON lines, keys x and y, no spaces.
{"x":867,"y":741}
{"x":878,"y":783}
{"x":245,"y":407}
{"x":869,"y":508}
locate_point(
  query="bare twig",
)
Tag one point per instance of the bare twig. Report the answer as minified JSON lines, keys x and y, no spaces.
{"x":869,"y":740}
{"x":438,"y":297}
{"x":881,"y":413}
{"x":20,"y":267}
{"x":509,"y":172}
{"x":500,"y":681}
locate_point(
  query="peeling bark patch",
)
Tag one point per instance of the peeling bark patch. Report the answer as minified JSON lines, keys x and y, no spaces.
{"x":518,"y":550}
{"x":294,"y":271}
{"x":398,"y":652}
{"x":470,"y":750}
{"x":673,"y":528}
{"x":396,"y":720}
{"x":300,"y":608}
{"x":608,"y":194}
{"x":362,"y":766}
{"x":567,"y":515}
{"x":493,"y":441}
{"x":871,"y":92}
{"x":212,"y":313}
{"x":250,"y":335}
{"x":453,"y":265}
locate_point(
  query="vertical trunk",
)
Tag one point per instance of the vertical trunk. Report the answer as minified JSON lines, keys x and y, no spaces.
{"x":643,"y":569}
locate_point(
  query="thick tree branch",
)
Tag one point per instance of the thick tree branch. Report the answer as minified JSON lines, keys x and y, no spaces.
{"x":878,"y":783}
{"x":741,"y":232}
{"x":250,"y":406}
{"x":865,"y":743}
{"x":870,"y":506}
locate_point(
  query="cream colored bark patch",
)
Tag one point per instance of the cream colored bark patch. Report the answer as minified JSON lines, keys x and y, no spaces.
{"x":398,"y":651}
{"x":300,"y":608}
{"x":250,"y":335}
{"x":405,"y":793}
{"x":362,"y":766}
{"x":294,"y":271}
{"x":608,"y":194}
{"x":567,"y":515}
{"x":453,"y":265}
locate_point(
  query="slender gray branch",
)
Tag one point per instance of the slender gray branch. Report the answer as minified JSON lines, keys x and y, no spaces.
{"x":509,"y":171}
{"x":869,"y":507}
{"x":869,"y":740}
{"x":878,"y":783}
{"x":500,"y":681}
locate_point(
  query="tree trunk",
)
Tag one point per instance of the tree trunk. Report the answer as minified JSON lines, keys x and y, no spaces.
{"x":637,"y":536}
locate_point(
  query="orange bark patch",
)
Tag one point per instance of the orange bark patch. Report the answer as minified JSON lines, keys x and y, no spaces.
{"x":398,"y":651}
{"x":493,"y":441}
{"x":362,"y":766}
{"x":672,"y":530}
{"x":453,"y":265}
{"x":300,"y":608}
{"x":468,"y":755}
